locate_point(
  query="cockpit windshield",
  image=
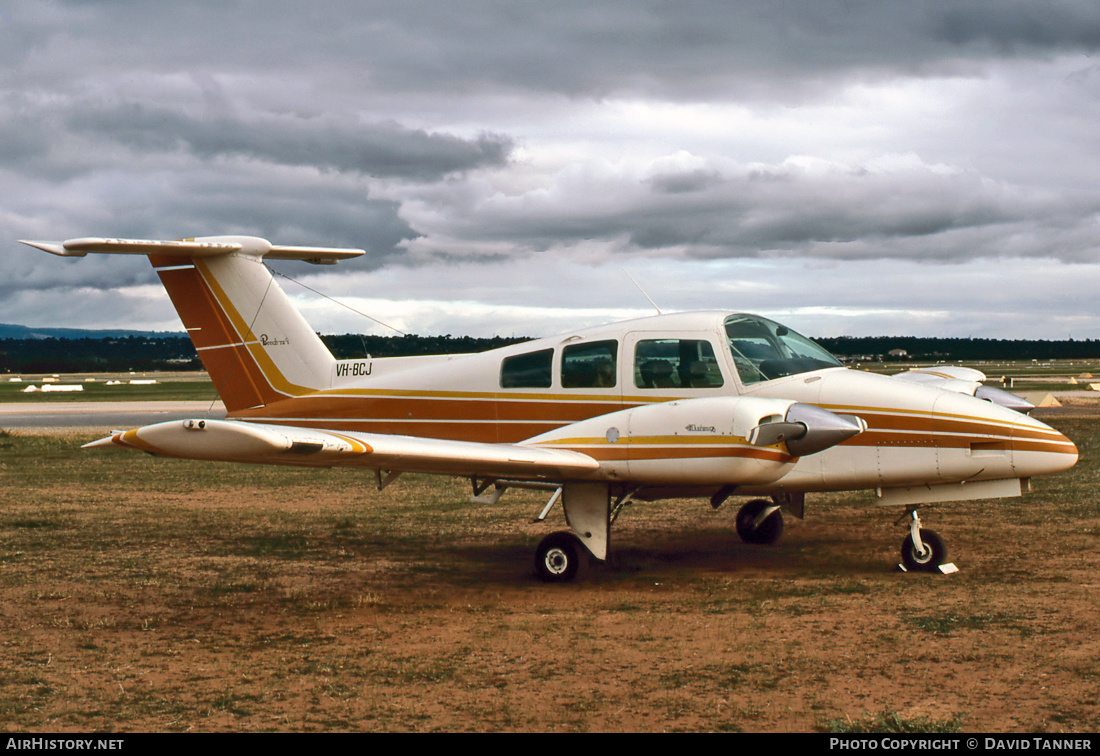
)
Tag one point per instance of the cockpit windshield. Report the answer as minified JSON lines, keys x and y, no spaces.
{"x":763,"y":350}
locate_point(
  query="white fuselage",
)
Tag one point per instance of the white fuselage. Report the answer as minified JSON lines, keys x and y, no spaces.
{"x":916,"y":434}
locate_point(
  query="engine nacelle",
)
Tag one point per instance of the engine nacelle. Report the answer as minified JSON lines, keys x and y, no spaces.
{"x":706,"y":441}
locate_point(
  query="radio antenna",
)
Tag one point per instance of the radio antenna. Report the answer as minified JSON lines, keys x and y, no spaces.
{"x":337,"y":301}
{"x":655,"y":307}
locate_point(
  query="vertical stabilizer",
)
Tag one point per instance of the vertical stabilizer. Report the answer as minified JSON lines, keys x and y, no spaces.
{"x":253,"y":342}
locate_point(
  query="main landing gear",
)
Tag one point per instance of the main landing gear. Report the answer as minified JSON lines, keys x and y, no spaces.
{"x":922,"y":550}
{"x":760,"y":522}
{"x":590,"y":509}
{"x":560,"y":558}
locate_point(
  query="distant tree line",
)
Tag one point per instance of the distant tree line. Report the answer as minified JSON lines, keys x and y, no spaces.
{"x":919,"y":348}
{"x":349,"y":346}
{"x":149,"y":353}
{"x":98,"y":355}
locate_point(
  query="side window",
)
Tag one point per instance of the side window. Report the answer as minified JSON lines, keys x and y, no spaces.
{"x":675,"y":363}
{"x":590,"y":365}
{"x":531,"y":370}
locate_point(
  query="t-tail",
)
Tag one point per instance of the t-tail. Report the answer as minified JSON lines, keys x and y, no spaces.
{"x":255,"y":345}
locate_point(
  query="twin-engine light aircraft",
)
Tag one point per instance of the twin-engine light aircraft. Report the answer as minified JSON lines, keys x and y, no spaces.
{"x":702,"y":404}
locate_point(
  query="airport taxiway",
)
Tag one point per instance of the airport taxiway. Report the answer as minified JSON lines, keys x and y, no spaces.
{"x":102,"y":414}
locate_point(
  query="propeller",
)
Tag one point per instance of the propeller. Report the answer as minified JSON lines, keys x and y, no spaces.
{"x":807,"y":429}
{"x":1003,"y":398}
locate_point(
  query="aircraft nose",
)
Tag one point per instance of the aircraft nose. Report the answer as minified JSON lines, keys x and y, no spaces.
{"x":997,"y":442}
{"x":1039,"y":449}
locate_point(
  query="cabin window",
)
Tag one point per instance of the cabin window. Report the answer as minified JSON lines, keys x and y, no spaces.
{"x":675,"y":364}
{"x":531,"y":370}
{"x":590,"y":365}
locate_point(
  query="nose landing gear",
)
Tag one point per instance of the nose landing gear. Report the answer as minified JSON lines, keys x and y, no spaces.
{"x":922,"y":550}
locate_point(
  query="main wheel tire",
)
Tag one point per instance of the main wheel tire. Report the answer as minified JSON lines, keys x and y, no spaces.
{"x":560,"y":558}
{"x":768,"y":531}
{"x":929,"y":560}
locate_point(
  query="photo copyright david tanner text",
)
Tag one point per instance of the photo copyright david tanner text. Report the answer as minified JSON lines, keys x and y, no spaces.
{"x":984,"y":743}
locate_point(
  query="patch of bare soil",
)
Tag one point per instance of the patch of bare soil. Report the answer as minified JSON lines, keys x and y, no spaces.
{"x":153,"y":595}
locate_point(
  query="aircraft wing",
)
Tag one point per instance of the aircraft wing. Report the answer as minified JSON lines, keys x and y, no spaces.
{"x":963,"y":380}
{"x":704,"y":440}
{"x":237,"y":441}
{"x":942,"y":375}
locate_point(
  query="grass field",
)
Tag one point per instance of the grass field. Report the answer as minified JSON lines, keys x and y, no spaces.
{"x":145,"y":594}
{"x":169,"y":387}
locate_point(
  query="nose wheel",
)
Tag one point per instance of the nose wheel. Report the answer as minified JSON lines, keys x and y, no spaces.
{"x":922,"y":550}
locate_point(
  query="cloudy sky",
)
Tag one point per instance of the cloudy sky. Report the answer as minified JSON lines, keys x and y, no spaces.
{"x":928,"y":168}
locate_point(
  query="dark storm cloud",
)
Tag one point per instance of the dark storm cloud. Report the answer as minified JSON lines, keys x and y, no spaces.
{"x":341,"y":144}
{"x":688,"y":134}
{"x":574,"y":47}
{"x":1016,"y":27}
{"x":708,"y":49}
{"x":54,"y":137}
{"x":812,"y":208}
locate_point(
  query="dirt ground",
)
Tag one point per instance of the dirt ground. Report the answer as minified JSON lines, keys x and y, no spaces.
{"x":158,"y":595}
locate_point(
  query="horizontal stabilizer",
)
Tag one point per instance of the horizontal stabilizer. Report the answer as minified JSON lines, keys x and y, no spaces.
{"x":209,"y":246}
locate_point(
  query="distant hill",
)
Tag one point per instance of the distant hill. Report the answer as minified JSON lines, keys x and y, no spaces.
{"x":13,"y":331}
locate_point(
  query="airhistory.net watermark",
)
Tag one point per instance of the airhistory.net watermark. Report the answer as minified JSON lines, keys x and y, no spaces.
{"x":63,"y":744}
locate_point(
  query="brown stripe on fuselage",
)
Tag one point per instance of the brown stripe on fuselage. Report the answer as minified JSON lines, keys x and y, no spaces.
{"x":423,"y":405}
{"x":896,"y":429}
